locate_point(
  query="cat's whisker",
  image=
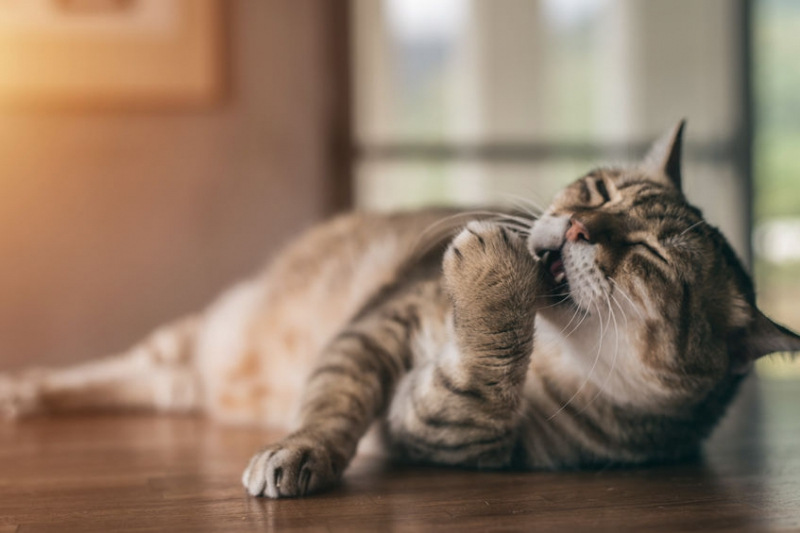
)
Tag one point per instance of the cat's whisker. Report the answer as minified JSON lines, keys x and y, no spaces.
{"x":566,"y":297}
{"x":505,"y":220}
{"x":513,"y":226}
{"x":533,"y":197}
{"x":574,"y":315}
{"x":627,"y":297}
{"x":534,"y":206}
{"x":528,"y":222}
{"x":557,"y":294}
{"x":588,"y":375}
{"x":447,"y":227}
{"x":436,"y":232}
{"x":561,"y":337}
{"x":521,"y":207}
{"x":525,"y":227}
{"x":621,"y":309}
{"x":591,"y":370}
{"x":616,"y":347}
{"x":525,"y":204}
{"x":578,"y":325}
{"x":586,"y":314}
{"x":467,"y":215}
{"x":610,"y":373}
{"x":450,"y":225}
{"x":690,"y":228}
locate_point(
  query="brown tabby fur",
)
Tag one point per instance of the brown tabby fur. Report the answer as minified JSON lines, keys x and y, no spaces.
{"x":464,"y":344}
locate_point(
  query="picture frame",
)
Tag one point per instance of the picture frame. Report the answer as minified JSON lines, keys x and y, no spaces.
{"x":119,"y":54}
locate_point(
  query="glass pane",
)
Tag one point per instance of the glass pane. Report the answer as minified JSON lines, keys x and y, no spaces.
{"x":716,"y":188}
{"x":777,"y":178}
{"x":543,"y":70}
{"x":400,"y":185}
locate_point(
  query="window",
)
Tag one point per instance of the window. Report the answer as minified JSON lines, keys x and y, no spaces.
{"x":476,"y":101}
{"x":777,"y":166}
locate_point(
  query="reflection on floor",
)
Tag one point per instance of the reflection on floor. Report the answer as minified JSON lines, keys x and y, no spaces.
{"x":144,"y":473}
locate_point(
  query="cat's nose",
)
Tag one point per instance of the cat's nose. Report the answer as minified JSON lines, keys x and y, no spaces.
{"x":577,"y":230}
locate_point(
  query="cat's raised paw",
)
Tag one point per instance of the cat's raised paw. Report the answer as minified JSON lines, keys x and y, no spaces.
{"x":297,"y":466}
{"x":481,"y":239}
{"x":485,"y":254}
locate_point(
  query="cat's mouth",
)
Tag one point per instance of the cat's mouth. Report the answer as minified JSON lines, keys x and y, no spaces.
{"x":554,"y":265}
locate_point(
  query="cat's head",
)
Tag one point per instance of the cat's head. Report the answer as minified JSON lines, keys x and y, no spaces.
{"x":624,"y":243}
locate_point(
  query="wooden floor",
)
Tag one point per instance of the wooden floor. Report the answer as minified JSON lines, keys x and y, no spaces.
{"x":142,"y":473}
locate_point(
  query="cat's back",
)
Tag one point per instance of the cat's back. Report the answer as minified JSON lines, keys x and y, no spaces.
{"x":260,"y":339}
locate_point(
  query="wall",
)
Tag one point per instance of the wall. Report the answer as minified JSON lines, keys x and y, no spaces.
{"x":113,"y":222}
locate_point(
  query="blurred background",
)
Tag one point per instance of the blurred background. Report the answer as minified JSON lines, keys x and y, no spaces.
{"x":154,"y":151}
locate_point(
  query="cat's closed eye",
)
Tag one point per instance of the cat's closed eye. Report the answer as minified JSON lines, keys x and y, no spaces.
{"x":644,"y":245}
{"x":602,"y":190}
{"x":594,"y":192}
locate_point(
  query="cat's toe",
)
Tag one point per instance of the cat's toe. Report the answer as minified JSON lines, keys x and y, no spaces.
{"x":289,"y":469}
{"x":479,"y":241}
{"x":482,"y":249}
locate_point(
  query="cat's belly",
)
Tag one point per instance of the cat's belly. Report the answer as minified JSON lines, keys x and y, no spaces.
{"x":254,"y":366}
{"x":262,"y":338}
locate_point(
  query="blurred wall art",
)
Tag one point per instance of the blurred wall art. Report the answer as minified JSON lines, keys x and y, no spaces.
{"x":115,"y":53}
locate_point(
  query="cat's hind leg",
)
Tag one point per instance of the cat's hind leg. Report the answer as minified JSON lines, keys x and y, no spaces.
{"x":158,"y":374}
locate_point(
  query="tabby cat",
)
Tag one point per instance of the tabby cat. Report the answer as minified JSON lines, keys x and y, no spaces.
{"x":613,"y":329}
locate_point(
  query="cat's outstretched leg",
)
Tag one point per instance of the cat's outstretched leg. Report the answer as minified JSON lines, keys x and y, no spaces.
{"x":352,"y":385}
{"x":156,"y":374}
{"x":463,"y":407}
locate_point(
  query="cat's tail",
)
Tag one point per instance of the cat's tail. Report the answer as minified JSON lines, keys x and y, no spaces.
{"x":158,"y":373}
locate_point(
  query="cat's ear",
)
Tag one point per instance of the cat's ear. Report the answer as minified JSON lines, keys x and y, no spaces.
{"x":664,"y":157}
{"x":762,"y":337}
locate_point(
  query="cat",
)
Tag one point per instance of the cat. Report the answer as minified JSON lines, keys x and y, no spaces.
{"x":613,"y":329}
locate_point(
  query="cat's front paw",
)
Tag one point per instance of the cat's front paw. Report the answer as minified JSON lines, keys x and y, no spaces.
{"x":297,"y":466}
{"x":485,"y":258}
{"x":19,"y":396}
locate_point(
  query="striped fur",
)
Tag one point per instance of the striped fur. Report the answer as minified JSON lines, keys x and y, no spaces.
{"x":461,"y":344}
